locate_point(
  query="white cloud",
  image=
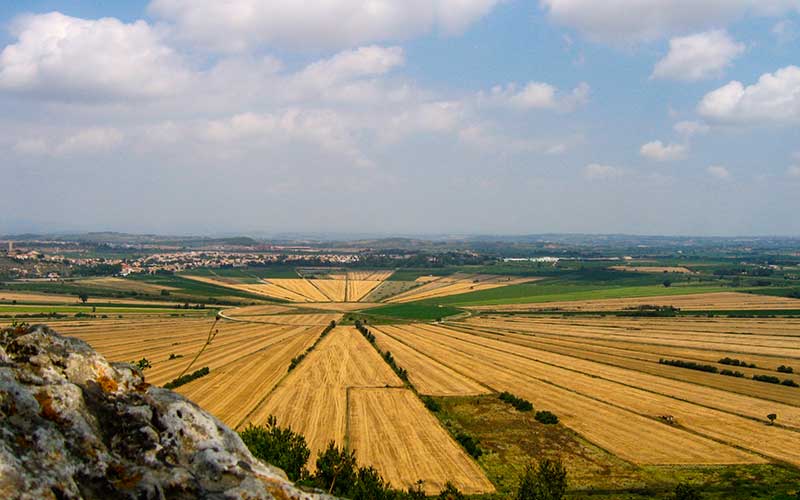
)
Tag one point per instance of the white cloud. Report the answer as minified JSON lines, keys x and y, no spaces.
{"x":691,"y":128}
{"x":794,"y":171}
{"x":775,"y":98}
{"x":536,"y":95}
{"x":625,"y":21}
{"x":595,"y":171}
{"x":238,"y":25}
{"x":698,"y":57}
{"x":658,"y":151}
{"x":325,"y":129}
{"x":61,"y":57}
{"x":719,"y":172}
{"x":87,"y":141}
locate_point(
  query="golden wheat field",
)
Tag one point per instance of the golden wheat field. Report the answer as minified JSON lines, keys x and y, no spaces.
{"x":324,"y":399}
{"x":520,"y":355}
{"x":392,"y":430}
{"x":350,"y":287}
{"x":8,"y":297}
{"x":717,"y":301}
{"x":454,"y":285}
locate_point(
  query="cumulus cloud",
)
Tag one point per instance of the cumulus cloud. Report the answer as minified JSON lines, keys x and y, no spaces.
{"x":323,"y":128}
{"x":775,"y":98}
{"x":237,"y":25}
{"x":625,"y":21}
{"x":536,"y":95}
{"x":595,"y":171}
{"x":691,"y":128}
{"x":719,"y":172}
{"x":698,"y":57}
{"x":659,"y":151}
{"x":61,"y":57}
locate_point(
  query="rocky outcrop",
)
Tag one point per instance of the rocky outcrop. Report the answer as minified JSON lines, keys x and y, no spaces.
{"x":73,"y":425}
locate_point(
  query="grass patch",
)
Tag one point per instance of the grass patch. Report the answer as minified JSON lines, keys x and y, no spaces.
{"x":510,"y":439}
{"x":413,"y":311}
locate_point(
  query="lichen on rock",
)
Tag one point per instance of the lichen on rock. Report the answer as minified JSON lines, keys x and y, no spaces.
{"x":73,"y":425}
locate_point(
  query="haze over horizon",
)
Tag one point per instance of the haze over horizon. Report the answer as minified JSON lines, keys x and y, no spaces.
{"x":416,"y":117}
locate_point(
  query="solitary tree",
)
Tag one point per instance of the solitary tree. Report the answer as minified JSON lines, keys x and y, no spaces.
{"x":548,"y":481}
{"x":84,"y":297}
{"x":667,"y":283}
{"x":772,"y":417}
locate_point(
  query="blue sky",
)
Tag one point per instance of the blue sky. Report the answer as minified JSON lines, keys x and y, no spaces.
{"x":436,"y":116}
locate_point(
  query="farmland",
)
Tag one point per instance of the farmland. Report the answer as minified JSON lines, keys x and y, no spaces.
{"x":346,"y":393}
{"x":618,"y":355}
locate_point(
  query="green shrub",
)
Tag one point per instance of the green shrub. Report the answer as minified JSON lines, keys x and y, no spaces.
{"x":185,"y":379}
{"x":548,"y":481}
{"x":769,"y":379}
{"x":687,"y":492}
{"x":470,"y":444}
{"x":517,"y":402}
{"x":450,"y":492}
{"x":431,"y":404}
{"x":546,"y":417}
{"x":277,"y":446}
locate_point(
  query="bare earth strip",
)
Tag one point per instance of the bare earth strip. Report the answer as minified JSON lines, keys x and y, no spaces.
{"x":391,"y":430}
{"x":621,"y":388}
{"x":718,"y":301}
{"x":613,"y":428}
{"x":429,"y":376}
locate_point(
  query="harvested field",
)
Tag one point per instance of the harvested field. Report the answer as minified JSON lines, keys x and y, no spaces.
{"x":428,"y":375}
{"x":337,"y":306}
{"x":313,"y":398}
{"x":337,"y":393}
{"x":334,"y":290}
{"x":652,"y":269}
{"x":357,"y":290}
{"x":718,"y":301}
{"x":389,"y":289}
{"x":262,"y":310}
{"x":456,"y":284}
{"x":8,"y":297}
{"x":302,"y":287}
{"x":369,"y":275}
{"x":716,"y":413}
{"x":612,"y":415}
{"x":392,"y":430}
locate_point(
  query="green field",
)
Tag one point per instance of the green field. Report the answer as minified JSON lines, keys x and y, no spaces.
{"x":413,"y":311}
{"x":556,"y":292}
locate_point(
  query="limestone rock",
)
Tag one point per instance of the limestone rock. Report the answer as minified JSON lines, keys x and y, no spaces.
{"x":73,"y":425}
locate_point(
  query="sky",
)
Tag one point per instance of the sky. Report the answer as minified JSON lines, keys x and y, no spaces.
{"x":675,"y":117}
